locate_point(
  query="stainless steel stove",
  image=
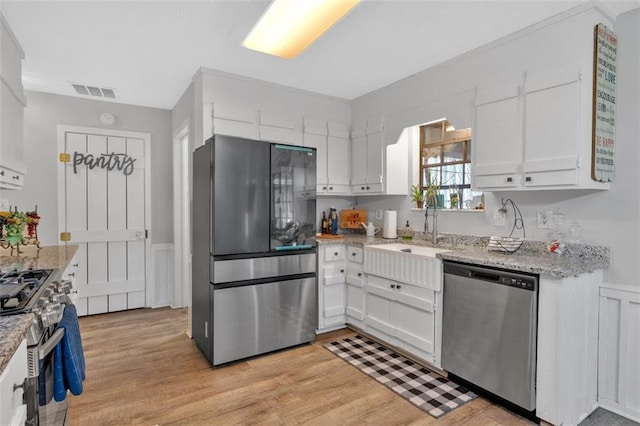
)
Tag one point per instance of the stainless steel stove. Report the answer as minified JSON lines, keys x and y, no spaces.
{"x":38,"y":292}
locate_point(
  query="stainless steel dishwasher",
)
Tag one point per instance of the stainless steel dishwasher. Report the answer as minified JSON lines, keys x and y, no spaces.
{"x":489,"y":331}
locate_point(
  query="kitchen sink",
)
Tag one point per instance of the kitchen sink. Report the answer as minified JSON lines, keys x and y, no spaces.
{"x":405,"y":263}
{"x":409,"y":249}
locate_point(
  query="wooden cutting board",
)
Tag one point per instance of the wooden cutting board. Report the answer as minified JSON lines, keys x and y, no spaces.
{"x":351,"y":219}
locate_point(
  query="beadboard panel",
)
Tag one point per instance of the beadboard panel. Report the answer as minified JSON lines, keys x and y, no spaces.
{"x":619,"y":351}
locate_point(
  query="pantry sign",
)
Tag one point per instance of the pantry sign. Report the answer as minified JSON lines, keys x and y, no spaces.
{"x":604,"y":104}
{"x":111,"y":161}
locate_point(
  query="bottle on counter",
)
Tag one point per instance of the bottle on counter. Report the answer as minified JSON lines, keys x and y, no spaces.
{"x":323,"y":223}
{"x":334,"y":221}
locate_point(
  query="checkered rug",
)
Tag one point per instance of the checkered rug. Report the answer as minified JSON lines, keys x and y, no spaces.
{"x":426,"y":390}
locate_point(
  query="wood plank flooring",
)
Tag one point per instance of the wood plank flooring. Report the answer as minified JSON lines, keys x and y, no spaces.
{"x":143,"y":369}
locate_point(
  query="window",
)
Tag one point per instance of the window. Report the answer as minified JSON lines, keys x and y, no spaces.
{"x":445,"y":165}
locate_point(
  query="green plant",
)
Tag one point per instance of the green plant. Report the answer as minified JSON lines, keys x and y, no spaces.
{"x":433,"y":190}
{"x":417,"y":194}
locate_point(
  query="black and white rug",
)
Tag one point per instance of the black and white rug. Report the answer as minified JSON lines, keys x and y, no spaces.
{"x":425,"y":389}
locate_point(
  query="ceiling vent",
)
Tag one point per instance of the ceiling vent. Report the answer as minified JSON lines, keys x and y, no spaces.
{"x":100,"y":92}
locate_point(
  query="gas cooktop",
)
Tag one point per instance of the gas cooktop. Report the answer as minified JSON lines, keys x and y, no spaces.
{"x":17,"y":288}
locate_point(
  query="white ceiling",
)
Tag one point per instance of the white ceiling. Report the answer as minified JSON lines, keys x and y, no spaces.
{"x":149,"y":50}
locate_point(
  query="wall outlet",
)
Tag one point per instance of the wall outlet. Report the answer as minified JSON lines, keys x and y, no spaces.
{"x":379,"y":214}
{"x":4,"y":205}
{"x":544,"y":220}
{"x":500,"y":218}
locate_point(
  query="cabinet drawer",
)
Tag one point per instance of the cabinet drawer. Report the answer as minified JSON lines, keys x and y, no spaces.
{"x":355,"y":254}
{"x":333,"y":274}
{"x":332,"y":253}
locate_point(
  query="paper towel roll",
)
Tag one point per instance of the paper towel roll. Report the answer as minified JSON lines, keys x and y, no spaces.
{"x":390,"y":224}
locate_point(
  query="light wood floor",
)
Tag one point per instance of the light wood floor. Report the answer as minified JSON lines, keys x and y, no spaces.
{"x":143,"y":369}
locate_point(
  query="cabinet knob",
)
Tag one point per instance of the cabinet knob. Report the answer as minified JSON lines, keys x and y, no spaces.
{"x":362,"y":187}
{"x":1,"y":172}
{"x":509,"y":179}
{"x":72,"y":274}
{"x":331,"y":188}
{"x":353,"y":254}
{"x":16,"y":177}
{"x":22,"y":386}
{"x":335,"y":253}
{"x":398,"y":286}
{"x":528,"y":179}
{"x":342,"y":271}
{"x":75,"y":265}
{"x":393,"y":286}
{"x":368,"y":187}
{"x":324,"y":188}
{"x":359,"y":274}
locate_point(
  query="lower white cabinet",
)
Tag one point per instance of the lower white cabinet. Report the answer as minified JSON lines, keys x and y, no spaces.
{"x":12,"y":410}
{"x":331,"y":287}
{"x":402,"y":315}
{"x":355,"y":282}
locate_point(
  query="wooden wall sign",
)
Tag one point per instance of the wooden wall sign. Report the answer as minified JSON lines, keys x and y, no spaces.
{"x":604,"y":104}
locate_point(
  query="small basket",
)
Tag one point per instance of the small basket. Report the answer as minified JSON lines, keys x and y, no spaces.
{"x":505,"y":244}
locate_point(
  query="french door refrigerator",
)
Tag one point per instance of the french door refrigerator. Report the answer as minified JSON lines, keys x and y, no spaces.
{"x":254,"y":250}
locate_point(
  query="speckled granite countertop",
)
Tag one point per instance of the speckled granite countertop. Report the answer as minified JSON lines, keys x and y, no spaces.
{"x":12,"y":331}
{"x":14,"y":327}
{"x":49,"y":257}
{"x":533,"y":257}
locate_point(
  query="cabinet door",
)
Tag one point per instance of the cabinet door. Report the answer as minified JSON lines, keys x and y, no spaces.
{"x":414,"y":317}
{"x":280,"y":128}
{"x":358,"y":162}
{"x":374,"y":161}
{"x":378,"y":300}
{"x":338,"y":159}
{"x":497,"y":146}
{"x":13,"y":375}
{"x":552,"y":129}
{"x":333,"y":288}
{"x":11,"y":135}
{"x":355,"y":294}
{"x":234,"y":121}
{"x":319,"y":142}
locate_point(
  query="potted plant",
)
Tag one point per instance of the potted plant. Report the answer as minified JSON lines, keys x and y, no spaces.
{"x":434,"y":198}
{"x":417,"y":195}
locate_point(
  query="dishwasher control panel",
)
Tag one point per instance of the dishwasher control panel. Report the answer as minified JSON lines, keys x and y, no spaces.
{"x":525,"y":283}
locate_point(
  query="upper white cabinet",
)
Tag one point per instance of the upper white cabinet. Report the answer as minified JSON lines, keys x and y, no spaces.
{"x":366,"y":157}
{"x":280,"y":128}
{"x":331,"y":141}
{"x":236,"y":121}
{"x":12,"y":103}
{"x":535,"y":135}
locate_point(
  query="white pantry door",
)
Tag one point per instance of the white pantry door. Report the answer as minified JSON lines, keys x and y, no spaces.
{"x":104,"y":205}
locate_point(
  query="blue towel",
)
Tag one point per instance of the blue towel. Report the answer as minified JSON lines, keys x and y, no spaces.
{"x":68,"y":357}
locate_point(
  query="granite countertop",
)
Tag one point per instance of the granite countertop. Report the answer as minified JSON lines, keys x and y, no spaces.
{"x":14,"y":327}
{"x":48,"y":257}
{"x":12,"y":330}
{"x":533,"y":257}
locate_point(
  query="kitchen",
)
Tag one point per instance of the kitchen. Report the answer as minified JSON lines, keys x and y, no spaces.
{"x":608,"y":216}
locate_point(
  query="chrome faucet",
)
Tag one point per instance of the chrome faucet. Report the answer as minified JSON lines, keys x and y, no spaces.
{"x":434,"y":230}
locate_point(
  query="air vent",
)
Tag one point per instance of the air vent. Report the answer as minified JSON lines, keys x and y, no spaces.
{"x":100,"y":92}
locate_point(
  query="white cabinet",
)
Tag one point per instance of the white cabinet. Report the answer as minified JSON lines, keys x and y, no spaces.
{"x":236,"y":121}
{"x":69,"y":274}
{"x":567,"y":352}
{"x":402,"y":315}
{"x":280,"y":128}
{"x":535,"y":135}
{"x":331,"y":287}
{"x":331,"y":141}
{"x":366,"y":157}
{"x":12,"y":410}
{"x":355,"y":282}
{"x":12,"y":103}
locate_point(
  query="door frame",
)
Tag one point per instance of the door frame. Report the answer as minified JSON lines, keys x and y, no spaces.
{"x":181,"y":295}
{"x":149,"y":287}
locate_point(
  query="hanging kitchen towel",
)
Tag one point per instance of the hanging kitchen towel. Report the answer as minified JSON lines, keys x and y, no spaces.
{"x":69,"y":366}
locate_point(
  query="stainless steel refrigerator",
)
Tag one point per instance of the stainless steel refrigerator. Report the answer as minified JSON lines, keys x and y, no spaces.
{"x":254,"y":285}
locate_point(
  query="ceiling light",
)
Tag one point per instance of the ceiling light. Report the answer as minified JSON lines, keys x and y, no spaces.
{"x":290,"y":26}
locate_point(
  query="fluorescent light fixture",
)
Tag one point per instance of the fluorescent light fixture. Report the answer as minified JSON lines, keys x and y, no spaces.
{"x":290,"y":26}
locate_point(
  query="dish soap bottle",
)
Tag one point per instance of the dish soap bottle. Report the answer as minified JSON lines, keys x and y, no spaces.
{"x":407,"y":234}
